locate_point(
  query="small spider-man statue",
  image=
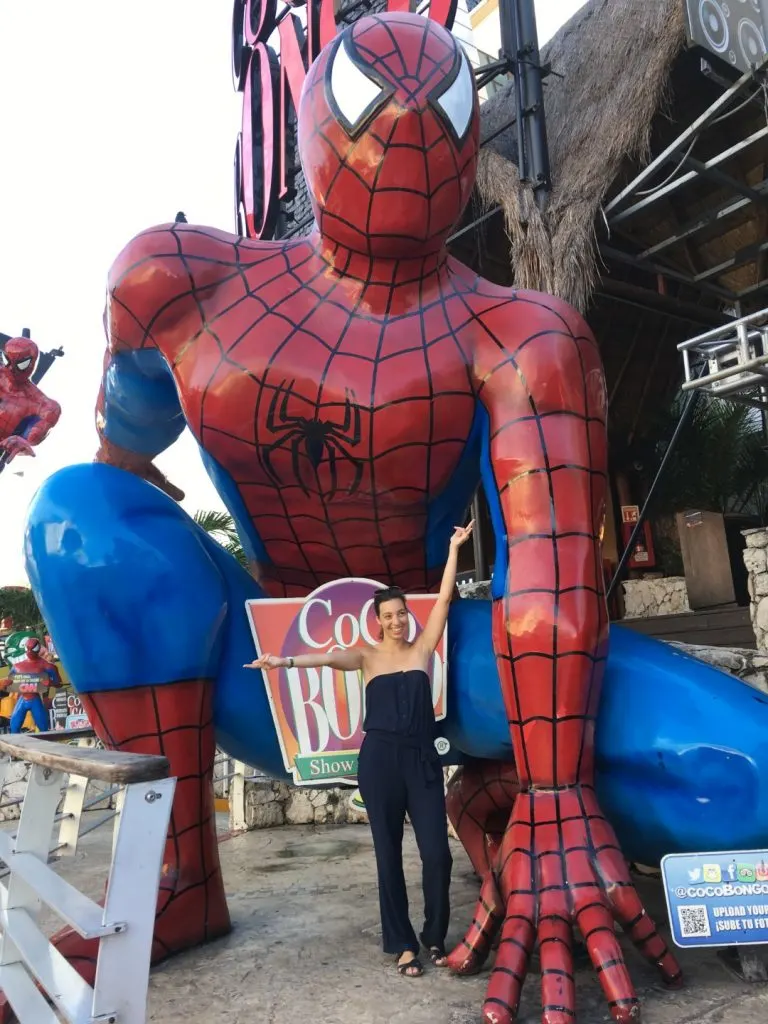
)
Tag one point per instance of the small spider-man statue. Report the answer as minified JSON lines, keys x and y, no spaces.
{"x":26,"y":414}
{"x":33,"y":675}
{"x":348,"y":391}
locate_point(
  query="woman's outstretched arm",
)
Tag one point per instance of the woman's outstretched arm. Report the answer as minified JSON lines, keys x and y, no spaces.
{"x":433,"y":630}
{"x":345,"y":660}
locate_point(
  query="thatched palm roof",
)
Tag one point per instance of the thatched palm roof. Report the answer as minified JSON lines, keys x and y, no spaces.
{"x":611,"y":64}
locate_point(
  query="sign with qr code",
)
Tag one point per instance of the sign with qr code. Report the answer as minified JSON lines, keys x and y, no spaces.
{"x":717,"y":899}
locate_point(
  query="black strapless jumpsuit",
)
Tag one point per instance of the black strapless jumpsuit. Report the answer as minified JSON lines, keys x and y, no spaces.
{"x":399,"y":771}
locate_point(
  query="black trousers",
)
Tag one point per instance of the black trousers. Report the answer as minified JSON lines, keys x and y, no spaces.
{"x":395,"y":779}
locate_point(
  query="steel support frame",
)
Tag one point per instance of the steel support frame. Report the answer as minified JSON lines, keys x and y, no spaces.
{"x":703,"y":220}
{"x":672,"y":186}
{"x":738,"y":333}
{"x":724,"y":294}
{"x":674,"y":149}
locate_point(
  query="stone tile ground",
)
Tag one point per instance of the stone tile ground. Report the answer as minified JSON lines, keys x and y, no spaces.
{"x":305,"y":947}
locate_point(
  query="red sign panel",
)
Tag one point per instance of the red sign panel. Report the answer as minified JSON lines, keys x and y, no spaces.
{"x":318,"y":712}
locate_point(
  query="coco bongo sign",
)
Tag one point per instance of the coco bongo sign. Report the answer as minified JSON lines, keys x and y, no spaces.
{"x":318,"y":712}
{"x":264,"y":157}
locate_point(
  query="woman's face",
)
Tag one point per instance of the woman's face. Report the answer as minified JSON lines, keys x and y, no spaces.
{"x":393,"y":619}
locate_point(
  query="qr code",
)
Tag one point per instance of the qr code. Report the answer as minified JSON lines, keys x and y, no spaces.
{"x":694,"y":922}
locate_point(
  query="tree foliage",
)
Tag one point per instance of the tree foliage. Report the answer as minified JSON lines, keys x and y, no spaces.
{"x":19,"y":604}
{"x":221,"y":526}
{"x":720,"y":463}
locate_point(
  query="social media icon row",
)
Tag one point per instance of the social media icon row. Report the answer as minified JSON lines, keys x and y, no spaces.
{"x":732,"y":872}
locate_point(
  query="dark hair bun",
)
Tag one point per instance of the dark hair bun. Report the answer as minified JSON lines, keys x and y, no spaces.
{"x":380,"y":597}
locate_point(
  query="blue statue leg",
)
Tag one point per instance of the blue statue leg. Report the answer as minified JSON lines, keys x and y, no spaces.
{"x":137,"y":599}
{"x":18,"y":715}
{"x":39,"y":714}
{"x":682,"y":762}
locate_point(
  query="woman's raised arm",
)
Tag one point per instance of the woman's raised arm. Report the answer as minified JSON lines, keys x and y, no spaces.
{"x":433,"y":630}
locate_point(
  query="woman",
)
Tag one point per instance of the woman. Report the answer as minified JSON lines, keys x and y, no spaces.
{"x":399,"y":769}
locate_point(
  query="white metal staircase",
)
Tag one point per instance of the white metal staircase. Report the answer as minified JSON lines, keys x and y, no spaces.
{"x":41,"y":986}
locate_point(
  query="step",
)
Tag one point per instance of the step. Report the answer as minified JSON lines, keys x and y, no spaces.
{"x":29,"y":1004}
{"x":61,"y":982}
{"x":79,"y":912}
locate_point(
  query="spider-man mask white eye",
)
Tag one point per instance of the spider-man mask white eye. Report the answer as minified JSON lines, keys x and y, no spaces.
{"x":355,"y":95}
{"x":456,"y":102}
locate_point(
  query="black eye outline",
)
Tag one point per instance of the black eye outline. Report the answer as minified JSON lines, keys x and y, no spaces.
{"x":367,"y":115}
{"x":460,"y":62}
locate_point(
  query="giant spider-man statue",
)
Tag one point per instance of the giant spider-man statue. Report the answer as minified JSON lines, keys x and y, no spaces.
{"x":348,"y":390}
{"x":26,"y":414}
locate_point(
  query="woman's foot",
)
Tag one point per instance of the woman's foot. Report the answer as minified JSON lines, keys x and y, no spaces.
{"x":408,"y":965}
{"x":437,"y":954}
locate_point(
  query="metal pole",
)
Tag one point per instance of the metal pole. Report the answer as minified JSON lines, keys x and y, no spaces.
{"x":520,"y":46}
{"x":688,"y":408}
{"x":478,"y":541}
{"x":529,"y":68}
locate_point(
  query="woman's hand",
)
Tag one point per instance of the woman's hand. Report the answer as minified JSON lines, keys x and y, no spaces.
{"x":461,"y":534}
{"x":268,"y":661}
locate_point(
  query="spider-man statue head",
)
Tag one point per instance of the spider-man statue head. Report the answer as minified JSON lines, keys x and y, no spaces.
{"x":388,"y":135}
{"x":20,"y":356}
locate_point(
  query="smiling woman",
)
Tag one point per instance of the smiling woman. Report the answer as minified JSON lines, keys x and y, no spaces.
{"x":399,"y":768}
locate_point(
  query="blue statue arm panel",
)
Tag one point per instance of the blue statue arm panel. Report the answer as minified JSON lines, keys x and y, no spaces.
{"x":140,"y":409}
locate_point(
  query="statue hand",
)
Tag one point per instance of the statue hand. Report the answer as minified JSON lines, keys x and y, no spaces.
{"x":559,"y":867}
{"x":16,"y":445}
{"x":139,"y":465}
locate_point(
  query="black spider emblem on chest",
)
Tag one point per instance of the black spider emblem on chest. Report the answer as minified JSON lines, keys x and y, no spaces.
{"x":318,"y":440}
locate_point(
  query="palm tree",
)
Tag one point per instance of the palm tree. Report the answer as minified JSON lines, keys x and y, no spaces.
{"x":720,"y":463}
{"x":221,"y":526}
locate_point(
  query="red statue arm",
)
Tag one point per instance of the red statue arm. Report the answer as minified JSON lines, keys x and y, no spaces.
{"x":542,"y":385}
{"x":152,"y":290}
{"x":48,"y":413}
{"x":540,"y":378}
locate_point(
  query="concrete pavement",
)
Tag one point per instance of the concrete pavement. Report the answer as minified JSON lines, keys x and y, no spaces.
{"x":305,"y":946}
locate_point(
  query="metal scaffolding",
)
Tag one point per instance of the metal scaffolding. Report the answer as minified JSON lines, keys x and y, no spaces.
{"x":640,"y":195}
{"x":730,"y":361}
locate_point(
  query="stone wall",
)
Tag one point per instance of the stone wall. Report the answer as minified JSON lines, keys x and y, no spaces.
{"x":751,"y":666}
{"x":16,"y":777}
{"x":664,"y":595}
{"x":269,"y":803}
{"x":756,"y":561}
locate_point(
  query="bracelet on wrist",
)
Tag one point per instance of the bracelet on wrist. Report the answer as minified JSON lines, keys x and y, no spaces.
{"x":290,"y":663}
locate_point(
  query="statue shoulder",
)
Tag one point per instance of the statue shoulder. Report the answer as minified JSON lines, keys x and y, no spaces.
{"x":155,"y":279}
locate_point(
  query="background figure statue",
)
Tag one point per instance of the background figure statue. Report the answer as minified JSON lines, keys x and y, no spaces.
{"x":26,"y":414}
{"x":348,"y":391}
{"x":34,"y":675}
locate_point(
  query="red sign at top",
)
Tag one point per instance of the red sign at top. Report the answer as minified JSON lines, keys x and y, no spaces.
{"x":271,"y":84}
